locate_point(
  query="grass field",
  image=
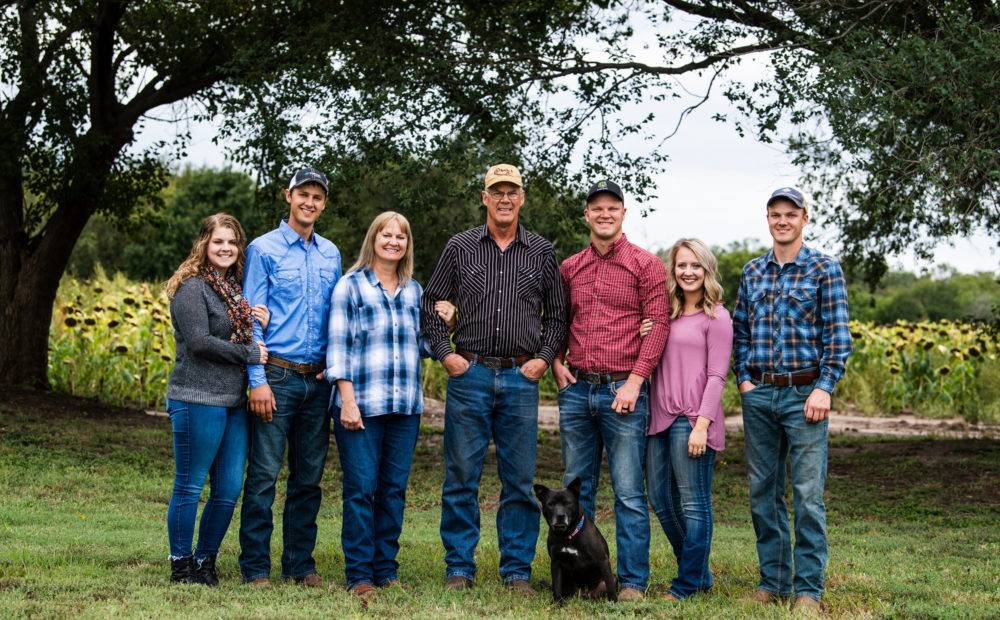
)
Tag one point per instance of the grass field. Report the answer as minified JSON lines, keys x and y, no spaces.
{"x":914,"y":531}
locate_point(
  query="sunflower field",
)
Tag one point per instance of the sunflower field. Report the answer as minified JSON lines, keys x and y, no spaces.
{"x":111,"y":339}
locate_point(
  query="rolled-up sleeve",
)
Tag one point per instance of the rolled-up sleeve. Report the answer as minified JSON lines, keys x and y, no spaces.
{"x":655,"y":306}
{"x":342,"y":332}
{"x":441,"y":286}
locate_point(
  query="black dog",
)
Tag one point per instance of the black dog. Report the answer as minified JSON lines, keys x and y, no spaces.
{"x":578,"y":553}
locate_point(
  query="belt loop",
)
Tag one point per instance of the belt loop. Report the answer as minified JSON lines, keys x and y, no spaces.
{"x":475,"y":359}
{"x":790,"y":379}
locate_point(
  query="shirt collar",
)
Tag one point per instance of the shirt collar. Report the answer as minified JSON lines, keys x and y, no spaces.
{"x":801,"y":259}
{"x":521,"y":236}
{"x":614,"y":247}
{"x":291,"y":236}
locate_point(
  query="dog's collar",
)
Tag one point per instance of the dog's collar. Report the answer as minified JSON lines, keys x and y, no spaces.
{"x":579,"y":526}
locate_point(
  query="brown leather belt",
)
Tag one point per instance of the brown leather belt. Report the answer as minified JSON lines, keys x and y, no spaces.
{"x":599,"y":378}
{"x":302,"y":369}
{"x":785,"y":379}
{"x":495,"y":363}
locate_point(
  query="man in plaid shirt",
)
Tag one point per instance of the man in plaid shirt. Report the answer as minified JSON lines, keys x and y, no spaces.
{"x":604,"y":391}
{"x":791,"y":342}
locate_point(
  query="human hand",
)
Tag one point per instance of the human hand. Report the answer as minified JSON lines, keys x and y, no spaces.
{"x":455,"y":364}
{"x":645,"y":327}
{"x":447,"y":311}
{"x":627,"y":394}
{"x":562,"y":375}
{"x":817,"y":406}
{"x":262,"y":314}
{"x":697,"y":441}
{"x":263,"y":352}
{"x":350,"y":416}
{"x":262,"y":402}
{"x":534,"y":368}
{"x":746,"y":386}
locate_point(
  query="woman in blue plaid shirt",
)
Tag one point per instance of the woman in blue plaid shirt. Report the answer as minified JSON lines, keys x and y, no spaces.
{"x":373,"y":358}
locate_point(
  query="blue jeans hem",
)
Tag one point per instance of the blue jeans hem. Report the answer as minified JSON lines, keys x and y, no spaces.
{"x":505,"y":579}
{"x":249,"y":578}
{"x":351,"y":584}
{"x":448,"y":574}
{"x":622,"y":585}
{"x":817,"y":596}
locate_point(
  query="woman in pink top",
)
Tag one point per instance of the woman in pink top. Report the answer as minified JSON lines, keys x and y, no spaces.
{"x":686,"y":426}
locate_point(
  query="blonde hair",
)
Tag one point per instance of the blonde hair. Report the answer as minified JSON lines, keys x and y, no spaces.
{"x":404,"y":268}
{"x":711,"y":289}
{"x":199,"y":251}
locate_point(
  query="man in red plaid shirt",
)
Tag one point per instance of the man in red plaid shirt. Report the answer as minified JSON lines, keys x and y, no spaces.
{"x":604,"y":390}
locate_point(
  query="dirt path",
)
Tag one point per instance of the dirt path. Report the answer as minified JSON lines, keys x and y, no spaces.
{"x":840,"y":423}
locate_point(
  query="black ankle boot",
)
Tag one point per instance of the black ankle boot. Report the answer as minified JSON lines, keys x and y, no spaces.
{"x":182,"y":570}
{"x":205,"y":571}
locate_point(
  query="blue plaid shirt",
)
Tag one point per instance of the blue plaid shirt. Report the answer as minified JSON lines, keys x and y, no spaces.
{"x":374,"y":341}
{"x":792,"y":317}
{"x":294,"y":280}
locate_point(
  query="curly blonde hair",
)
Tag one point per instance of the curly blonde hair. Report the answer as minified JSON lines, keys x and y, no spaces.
{"x":711,"y":289}
{"x":199,"y":255}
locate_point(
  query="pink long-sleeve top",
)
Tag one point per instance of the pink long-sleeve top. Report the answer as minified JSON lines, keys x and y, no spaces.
{"x":692,"y":373}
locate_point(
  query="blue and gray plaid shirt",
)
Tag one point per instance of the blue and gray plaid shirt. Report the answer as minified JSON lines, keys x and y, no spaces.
{"x":792,"y":317}
{"x":374,"y":341}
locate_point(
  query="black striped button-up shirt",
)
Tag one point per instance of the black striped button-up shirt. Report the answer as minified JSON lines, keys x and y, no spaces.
{"x":510,"y":303}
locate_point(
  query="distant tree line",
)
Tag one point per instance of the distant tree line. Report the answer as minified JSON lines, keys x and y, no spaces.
{"x":156,"y":239}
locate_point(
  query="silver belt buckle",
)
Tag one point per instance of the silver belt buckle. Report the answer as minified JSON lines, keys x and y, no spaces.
{"x":493,"y":363}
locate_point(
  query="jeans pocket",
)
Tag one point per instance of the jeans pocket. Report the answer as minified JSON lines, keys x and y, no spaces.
{"x":564,"y":388}
{"x":535,"y":381}
{"x":275,"y":375}
{"x":805,"y":389}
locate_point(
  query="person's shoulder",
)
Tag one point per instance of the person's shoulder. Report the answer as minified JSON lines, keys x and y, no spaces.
{"x":325,"y":246}
{"x":756,"y":264}
{"x":268,"y":242}
{"x":722,"y":313}
{"x":536,"y":242}
{"x":191,"y":286}
{"x":821,"y":263}
{"x":644,"y":257}
{"x":573,"y":260}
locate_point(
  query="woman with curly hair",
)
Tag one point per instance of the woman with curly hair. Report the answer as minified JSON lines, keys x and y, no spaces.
{"x":687,"y":428}
{"x":206,"y":393}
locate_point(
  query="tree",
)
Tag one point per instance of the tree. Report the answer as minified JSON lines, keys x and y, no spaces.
{"x":292,"y":82}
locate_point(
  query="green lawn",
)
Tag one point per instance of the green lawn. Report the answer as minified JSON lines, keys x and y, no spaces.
{"x":914,"y":531}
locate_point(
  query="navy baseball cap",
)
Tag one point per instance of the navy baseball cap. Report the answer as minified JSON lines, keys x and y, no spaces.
{"x":788,"y":193}
{"x":309,"y":175}
{"x":606,"y":186}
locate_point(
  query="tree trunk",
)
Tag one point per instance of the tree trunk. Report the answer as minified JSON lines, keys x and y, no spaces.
{"x":29,"y":278}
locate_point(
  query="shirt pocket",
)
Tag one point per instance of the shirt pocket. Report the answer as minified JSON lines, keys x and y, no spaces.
{"x":802,"y":302}
{"x":327,"y":278}
{"x":757,"y":303}
{"x":372,"y":321}
{"x":287,"y":280}
{"x":528,"y":282}
{"x":473,"y":289}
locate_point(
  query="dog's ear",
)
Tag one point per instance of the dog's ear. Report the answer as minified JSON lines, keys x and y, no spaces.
{"x":541,"y":491}
{"x":575,"y":486}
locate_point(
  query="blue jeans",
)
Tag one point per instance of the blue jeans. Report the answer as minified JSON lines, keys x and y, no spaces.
{"x":301,"y":420}
{"x":502,"y":404}
{"x":680,"y":492}
{"x":208,"y":442}
{"x":775,"y":428}
{"x":588,"y":425}
{"x":376,"y":465}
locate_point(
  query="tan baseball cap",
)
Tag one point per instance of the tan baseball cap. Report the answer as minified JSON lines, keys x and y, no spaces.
{"x":503,"y":173}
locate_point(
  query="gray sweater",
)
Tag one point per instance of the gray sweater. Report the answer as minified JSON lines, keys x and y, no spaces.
{"x":210,"y":369}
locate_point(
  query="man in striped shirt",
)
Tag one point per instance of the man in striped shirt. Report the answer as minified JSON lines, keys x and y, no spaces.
{"x":604,"y":391}
{"x":791,"y":343}
{"x":511,"y":319}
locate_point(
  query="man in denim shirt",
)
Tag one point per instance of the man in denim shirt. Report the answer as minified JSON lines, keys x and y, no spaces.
{"x":291,"y":270}
{"x":791,"y":342}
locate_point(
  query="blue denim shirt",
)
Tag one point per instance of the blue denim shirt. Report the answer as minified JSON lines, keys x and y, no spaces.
{"x":295,"y":280}
{"x":792,"y":317}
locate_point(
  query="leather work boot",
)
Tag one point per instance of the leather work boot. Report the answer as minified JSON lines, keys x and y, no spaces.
{"x":519,"y":585}
{"x":260,"y":582}
{"x":628,"y":595}
{"x":458,"y":583}
{"x":312,"y":580}
{"x":806,"y":606}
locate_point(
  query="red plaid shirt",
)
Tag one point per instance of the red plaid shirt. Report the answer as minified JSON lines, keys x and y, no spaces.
{"x":608,"y":297}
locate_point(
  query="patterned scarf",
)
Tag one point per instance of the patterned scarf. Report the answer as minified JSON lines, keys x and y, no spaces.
{"x":231,"y":293}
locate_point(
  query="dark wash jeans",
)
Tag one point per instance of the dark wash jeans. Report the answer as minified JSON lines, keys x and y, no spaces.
{"x":776,"y":430}
{"x":376,"y":464}
{"x":208,"y":442}
{"x":502,"y":404}
{"x":300,"y":420}
{"x":589,"y":426}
